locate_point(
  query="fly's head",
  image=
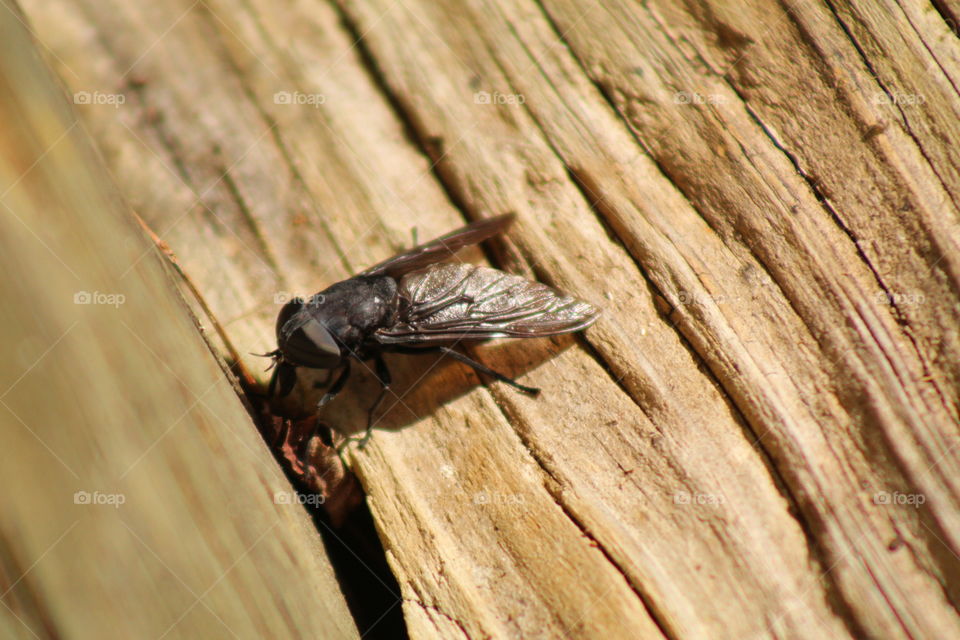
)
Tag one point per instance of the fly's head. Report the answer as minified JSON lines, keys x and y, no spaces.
{"x":303,"y":340}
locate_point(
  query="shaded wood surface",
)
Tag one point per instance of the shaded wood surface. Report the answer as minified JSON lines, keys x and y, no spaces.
{"x":758,"y":439}
{"x":138,"y":500}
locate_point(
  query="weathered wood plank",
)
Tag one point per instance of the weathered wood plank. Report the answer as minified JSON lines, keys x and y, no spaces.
{"x":885,"y":313}
{"x":768,"y":221}
{"x":138,"y":499}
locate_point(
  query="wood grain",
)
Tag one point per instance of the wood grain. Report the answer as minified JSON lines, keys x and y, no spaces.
{"x":758,"y":439}
{"x":138,"y":499}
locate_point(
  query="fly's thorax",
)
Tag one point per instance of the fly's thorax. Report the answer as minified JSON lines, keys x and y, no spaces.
{"x":353,"y":308}
{"x":384,"y":301}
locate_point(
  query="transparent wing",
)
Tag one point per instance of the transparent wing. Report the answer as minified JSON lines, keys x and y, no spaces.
{"x":454,"y":301}
{"x":441,"y":248}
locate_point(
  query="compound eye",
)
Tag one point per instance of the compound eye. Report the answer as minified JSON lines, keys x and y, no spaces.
{"x":288,"y":312}
{"x":311,"y":345}
{"x":321,"y":339}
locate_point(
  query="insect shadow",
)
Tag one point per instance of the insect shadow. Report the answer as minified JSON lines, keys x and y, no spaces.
{"x":414,"y":303}
{"x":421,"y":384}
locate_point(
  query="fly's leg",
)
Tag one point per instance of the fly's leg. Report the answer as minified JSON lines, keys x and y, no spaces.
{"x":477,"y":366}
{"x":482,"y":368}
{"x":337,"y":386}
{"x":304,"y":444}
{"x":383,"y":375}
{"x":285,"y":376}
{"x":272,"y":386}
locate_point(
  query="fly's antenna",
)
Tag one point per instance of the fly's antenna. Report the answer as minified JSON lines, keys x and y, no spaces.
{"x":275,"y":355}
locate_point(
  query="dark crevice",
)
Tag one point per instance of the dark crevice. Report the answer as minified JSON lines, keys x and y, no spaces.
{"x":368,"y":584}
{"x":354,"y":547}
{"x":432,"y":149}
{"x":949,"y":17}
